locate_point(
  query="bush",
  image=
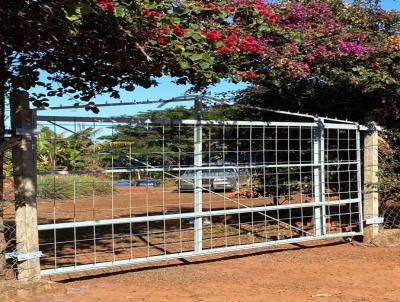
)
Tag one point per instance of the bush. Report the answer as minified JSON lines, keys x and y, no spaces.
{"x":64,"y":186}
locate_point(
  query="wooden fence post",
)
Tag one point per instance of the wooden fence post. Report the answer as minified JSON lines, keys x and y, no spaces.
{"x":24,"y":172}
{"x":371,"y":195}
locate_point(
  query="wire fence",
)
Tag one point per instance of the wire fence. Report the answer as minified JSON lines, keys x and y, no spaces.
{"x":389,"y":179}
{"x":8,"y":267}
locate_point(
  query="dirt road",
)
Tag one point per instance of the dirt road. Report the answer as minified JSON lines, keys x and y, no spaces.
{"x":331,"y":271}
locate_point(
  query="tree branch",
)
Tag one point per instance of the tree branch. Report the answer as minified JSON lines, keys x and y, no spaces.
{"x":150,"y":59}
{"x":9,"y":143}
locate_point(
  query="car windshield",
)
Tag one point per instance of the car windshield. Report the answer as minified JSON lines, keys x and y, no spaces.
{"x":213,"y":172}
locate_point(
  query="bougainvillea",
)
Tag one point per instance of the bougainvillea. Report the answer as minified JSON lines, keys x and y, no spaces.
{"x":347,"y":58}
{"x":213,"y":36}
{"x":354,"y":49}
{"x":288,"y":38}
{"x":107,"y":5}
{"x":202,"y":41}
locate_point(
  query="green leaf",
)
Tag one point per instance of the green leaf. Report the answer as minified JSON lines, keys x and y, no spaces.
{"x":204,"y":65}
{"x":196,"y":36}
{"x":184,"y":64}
{"x":196,"y":57}
{"x":75,"y":14}
{"x":120,"y":11}
{"x":298,"y":37}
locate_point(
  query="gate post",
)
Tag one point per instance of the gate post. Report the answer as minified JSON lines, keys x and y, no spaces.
{"x":198,"y":182}
{"x":24,"y":172}
{"x":371,"y":195}
{"x":319,"y":178}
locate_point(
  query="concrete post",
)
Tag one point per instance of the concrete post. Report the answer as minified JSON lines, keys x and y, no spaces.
{"x":371,"y":196}
{"x":25,"y":188}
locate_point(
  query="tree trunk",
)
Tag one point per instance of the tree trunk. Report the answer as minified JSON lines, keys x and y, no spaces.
{"x":24,"y":172}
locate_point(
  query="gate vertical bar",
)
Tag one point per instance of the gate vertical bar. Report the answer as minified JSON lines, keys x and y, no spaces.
{"x":322,"y":174}
{"x":24,"y":171}
{"x":359,"y":180}
{"x":319,"y":178}
{"x":198,"y":182}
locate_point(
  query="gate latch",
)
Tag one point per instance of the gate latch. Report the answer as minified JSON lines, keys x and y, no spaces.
{"x":24,"y":257}
{"x":374,"y":220}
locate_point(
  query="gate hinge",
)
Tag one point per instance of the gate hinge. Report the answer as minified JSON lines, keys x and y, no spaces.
{"x":24,"y":257}
{"x":374,"y":220}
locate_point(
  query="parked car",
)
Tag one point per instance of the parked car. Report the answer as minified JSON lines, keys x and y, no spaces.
{"x":217,"y":177}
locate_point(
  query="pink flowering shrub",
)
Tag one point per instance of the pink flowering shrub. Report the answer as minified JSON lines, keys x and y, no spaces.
{"x":354,"y":49}
{"x":289,"y":38}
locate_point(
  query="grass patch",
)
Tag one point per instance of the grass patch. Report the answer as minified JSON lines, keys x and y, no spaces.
{"x":66,"y":186}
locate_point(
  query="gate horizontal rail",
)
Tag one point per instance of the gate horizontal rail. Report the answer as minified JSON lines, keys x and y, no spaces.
{"x":110,"y":264}
{"x":81,"y":224}
{"x":169,"y":169}
{"x":153,"y":121}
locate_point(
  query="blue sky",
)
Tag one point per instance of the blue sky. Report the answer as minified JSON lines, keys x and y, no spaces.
{"x":165,"y":90}
{"x":391,"y":4}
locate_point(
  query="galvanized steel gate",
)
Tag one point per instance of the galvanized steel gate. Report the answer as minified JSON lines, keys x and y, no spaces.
{"x":136,"y":190}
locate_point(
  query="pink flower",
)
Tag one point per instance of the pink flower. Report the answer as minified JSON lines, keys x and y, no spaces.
{"x":225,"y":50}
{"x":164,"y":30}
{"x":178,"y":30}
{"x":151,"y":13}
{"x":213,"y":36}
{"x":271,"y":17}
{"x":162,"y":40}
{"x":150,"y":34}
{"x":229,"y":8}
{"x":231,"y":39}
{"x":354,"y":49}
{"x":320,"y":54}
{"x":211,"y":6}
{"x":107,"y":5}
{"x":250,"y":44}
{"x":249,"y":75}
{"x":297,"y":70}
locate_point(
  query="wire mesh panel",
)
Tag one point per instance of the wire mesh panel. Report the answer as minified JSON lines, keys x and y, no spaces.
{"x":120,"y":191}
{"x":8,"y":243}
{"x":389,"y":179}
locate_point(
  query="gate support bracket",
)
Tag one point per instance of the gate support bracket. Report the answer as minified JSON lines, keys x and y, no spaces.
{"x":374,"y":220}
{"x":24,"y":257}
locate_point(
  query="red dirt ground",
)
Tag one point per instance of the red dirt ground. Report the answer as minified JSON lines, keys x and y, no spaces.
{"x":323,"y":271}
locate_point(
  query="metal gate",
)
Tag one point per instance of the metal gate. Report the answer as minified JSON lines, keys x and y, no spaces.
{"x":115,"y":191}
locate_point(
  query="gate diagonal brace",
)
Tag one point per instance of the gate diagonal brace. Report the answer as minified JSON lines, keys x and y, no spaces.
{"x":24,"y":257}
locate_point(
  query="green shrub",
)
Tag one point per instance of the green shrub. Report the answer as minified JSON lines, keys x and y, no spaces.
{"x":64,"y":186}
